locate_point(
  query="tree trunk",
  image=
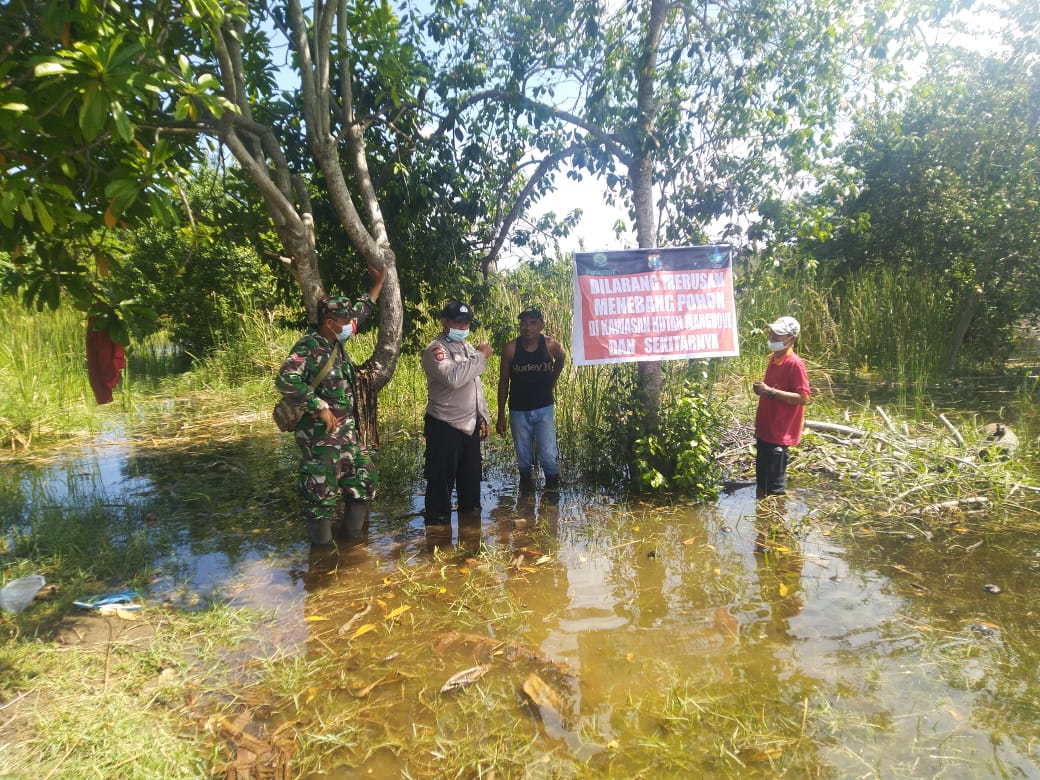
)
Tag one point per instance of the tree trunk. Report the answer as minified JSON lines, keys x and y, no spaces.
{"x":329,"y":120}
{"x":641,"y":173}
{"x":367,"y":400}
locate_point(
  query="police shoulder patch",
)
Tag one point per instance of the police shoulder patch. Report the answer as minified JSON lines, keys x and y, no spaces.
{"x":439,"y":353}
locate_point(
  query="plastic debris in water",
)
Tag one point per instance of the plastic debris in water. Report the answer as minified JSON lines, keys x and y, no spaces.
{"x":18,"y":594}
{"x":124,"y":600}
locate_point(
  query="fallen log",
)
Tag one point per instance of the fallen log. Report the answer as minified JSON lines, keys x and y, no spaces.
{"x":999,"y":442}
{"x":816,"y":425}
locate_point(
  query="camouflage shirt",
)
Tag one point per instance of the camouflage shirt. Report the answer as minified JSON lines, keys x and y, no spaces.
{"x":308,"y":355}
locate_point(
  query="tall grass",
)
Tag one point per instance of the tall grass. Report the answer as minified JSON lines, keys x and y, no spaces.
{"x":43,"y":361}
{"x":884,"y":324}
{"x":788,"y":294}
{"x":895,"y":323}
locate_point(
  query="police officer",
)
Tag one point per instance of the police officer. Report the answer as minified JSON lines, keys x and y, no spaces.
{"x":457,"y":415}
{"x":331,"y":458}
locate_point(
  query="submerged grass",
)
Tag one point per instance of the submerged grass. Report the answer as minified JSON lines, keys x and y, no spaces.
{"x":121,"y":698}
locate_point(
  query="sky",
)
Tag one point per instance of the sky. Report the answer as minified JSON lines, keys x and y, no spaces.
{"x":976,"y":30}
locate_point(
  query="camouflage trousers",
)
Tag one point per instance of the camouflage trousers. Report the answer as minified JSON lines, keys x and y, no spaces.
{"x":330,"y":464}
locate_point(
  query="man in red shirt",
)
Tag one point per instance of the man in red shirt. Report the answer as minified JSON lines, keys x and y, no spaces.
{"x":782,"y":396}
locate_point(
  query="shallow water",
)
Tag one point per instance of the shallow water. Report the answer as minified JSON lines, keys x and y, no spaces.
{"x":737,"y":639}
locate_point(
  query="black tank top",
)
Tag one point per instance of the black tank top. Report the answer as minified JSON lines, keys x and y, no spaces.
{"x":531,"y":377}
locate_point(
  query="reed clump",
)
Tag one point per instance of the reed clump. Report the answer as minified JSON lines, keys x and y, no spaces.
{"x":43,"y":361}
{"x":884,"y":474}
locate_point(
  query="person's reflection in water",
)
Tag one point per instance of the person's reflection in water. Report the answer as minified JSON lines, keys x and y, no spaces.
{"x":439,"y":535}
{"x":469,"y":532}
{"x":326,"y":562}
{"x":779,"y":562}
{"x":513,"y":514}
{"x":322,"y":566}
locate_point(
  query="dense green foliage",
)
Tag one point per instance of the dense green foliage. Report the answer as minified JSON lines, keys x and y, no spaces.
{"x":80,"y":150}
{"x":949,"y":189}
{"x":921,"y":240}
{"x":680,"y":456}
{"x":195,"y":284}
{"x":713,"y":106}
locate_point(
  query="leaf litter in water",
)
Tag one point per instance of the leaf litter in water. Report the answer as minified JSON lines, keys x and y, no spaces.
{"x":346,"y":627}
{"x":360,"y":690}
{"x":398,"y":612}
{"x":363,"y":630}
{"x":465,"y":677}
{"x":545,"y":698}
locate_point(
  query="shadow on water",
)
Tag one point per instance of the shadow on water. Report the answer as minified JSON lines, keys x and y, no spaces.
{"x":614,"y":637}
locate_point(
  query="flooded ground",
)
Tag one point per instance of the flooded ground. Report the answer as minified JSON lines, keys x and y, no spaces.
{"x":572,"y":634}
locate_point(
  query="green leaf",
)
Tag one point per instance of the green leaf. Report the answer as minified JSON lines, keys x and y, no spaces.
{"x":50,"y":68}
{"x":122,"y":122}
{"x":46,"y":222}
{"x":93,"y":113}
{"x":183,"y":106}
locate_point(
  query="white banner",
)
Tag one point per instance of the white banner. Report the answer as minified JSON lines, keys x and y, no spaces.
{"x":654,"y":304}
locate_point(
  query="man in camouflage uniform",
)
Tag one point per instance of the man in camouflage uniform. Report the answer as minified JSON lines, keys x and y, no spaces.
{"x":331,"y":459}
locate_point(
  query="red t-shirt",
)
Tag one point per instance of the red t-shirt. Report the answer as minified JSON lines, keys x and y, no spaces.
{"x":777,"y":422}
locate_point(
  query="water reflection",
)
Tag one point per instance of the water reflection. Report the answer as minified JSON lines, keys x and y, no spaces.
{"x":654,"y":625}
{"x":778,"y":566}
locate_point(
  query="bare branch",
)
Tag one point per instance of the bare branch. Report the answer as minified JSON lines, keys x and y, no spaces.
{"x":611,"y":142}
{"x":544,"y":167}
{"x":281,"y":208}
{"x":308,"y":85}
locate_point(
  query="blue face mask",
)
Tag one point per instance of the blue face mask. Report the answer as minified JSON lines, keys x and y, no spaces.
{"x":454,"y":334}
{"x":345,"y":332}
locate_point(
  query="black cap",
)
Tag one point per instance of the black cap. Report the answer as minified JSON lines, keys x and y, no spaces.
{"x":457,"y":310}
{"x":530,"y":314}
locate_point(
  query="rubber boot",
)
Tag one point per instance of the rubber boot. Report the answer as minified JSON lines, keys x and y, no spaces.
{"x":552,"y":481}
{"x":355,"y":518}
{"x":320,"y":531}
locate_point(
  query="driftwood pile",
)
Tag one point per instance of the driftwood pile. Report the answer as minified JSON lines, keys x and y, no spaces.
{"x":879,"y":469}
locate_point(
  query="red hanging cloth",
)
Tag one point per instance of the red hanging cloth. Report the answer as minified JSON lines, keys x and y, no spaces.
{"x":105,"y":362}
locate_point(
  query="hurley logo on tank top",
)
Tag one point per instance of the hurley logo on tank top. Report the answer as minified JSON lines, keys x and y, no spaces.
{"x":525,"y":368}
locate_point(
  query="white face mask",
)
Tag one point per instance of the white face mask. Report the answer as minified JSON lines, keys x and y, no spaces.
{"x":345,"y":332}
{"x":454,"y":334}
{"x":774,"y":346}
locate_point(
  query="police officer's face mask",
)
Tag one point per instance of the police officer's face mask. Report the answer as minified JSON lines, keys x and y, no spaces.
{"x":455,"y":334}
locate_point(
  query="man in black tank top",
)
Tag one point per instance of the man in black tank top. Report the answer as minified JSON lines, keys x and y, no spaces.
{"x":530,"y":366}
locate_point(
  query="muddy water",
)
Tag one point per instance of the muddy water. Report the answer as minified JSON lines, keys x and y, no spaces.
{"x":738,"y":639}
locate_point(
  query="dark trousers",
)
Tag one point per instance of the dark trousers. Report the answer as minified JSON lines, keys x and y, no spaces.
{"x":770,"y":468}
{"x":453,"y":460}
